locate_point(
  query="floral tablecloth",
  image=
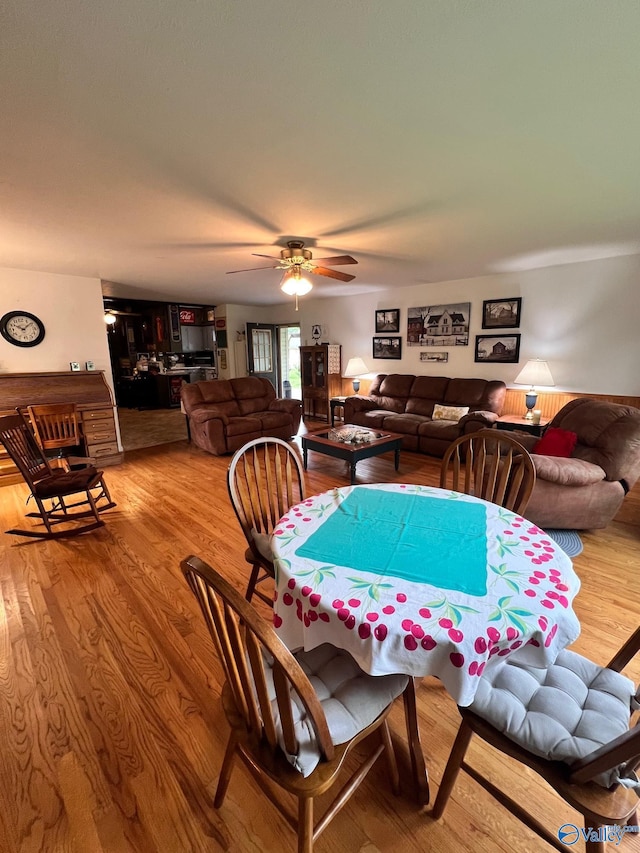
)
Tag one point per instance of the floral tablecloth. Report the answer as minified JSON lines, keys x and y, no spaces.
{"x":422,"y":581}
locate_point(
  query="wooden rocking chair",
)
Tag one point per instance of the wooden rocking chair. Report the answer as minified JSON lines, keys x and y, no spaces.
{"x":53,"y":485}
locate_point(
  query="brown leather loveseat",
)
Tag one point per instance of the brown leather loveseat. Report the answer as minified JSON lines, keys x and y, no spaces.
{"x":405,"y":404}
{"x":224,"y":414}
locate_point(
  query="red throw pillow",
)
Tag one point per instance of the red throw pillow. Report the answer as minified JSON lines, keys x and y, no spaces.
{"x":556,"y":442}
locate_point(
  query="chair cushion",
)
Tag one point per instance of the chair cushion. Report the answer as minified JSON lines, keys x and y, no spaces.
{"x":561,"y":713}
{"x":67,"y":483}
{"x":556,"y":442}
{"x":567,"y":472}
{"x":351,"y":700}
{"x":263,"y":544}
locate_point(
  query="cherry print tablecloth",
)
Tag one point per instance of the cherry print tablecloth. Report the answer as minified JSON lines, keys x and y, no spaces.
{"x":422,"y":581}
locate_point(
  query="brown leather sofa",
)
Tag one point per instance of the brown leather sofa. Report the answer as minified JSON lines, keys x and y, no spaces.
{"x":224,"y":414}
{"x":404,"y":403}
{"x":586,"y":490}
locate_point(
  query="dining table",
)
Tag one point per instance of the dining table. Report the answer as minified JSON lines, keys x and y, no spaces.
{"x":423,"y":581}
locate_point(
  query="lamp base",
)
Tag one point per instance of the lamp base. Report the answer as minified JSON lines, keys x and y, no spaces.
{"x":356,"y":386}
{"x":530,"y":401}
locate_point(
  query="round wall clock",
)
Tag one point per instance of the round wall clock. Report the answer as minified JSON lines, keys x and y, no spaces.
{"x":22,"y":329}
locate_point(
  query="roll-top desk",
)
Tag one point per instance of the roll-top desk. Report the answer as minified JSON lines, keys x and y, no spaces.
{"x":88,"y":389}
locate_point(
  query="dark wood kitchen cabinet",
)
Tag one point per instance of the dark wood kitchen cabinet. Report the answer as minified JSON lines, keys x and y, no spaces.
{"x":321,"y":378}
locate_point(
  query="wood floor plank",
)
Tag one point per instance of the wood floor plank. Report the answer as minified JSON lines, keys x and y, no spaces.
{"x":111,"y":727}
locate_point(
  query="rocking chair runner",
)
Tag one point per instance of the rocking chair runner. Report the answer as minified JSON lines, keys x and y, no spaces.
{"x":51,"y":485}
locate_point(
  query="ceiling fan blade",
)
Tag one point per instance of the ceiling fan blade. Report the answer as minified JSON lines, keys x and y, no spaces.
{"x":341,"y":276}
{"x":338,"y":261}
{"x":273,"y":257}
{"x":252,"y":269}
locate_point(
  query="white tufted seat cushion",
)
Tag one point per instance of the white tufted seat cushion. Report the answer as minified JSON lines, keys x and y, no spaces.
{"x":561,"y":713}
{"x":263,"y":544}
{"x":350,"y":699}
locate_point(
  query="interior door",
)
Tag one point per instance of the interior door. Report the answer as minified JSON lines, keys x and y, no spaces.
{"x":262,"y":352}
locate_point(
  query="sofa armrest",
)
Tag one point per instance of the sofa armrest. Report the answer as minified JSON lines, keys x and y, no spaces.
{"x":285,"y":404}
{"x":291,"y":407}
{"x":476,"y":420}
{"x":361,"y":404}
{"x":567,"y":471}
{"x":202,"y":414}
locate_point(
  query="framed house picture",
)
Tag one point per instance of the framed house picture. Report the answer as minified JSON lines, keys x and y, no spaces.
{"x":501,"y":313}
{"x":387,"y":347}
{"x":434,"y":356}
{"x":388,"y":320}
{"x":439,"y":325}
{"x":498,"y":348}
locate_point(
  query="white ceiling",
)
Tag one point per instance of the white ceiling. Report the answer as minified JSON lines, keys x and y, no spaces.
{"x":156,"y":144}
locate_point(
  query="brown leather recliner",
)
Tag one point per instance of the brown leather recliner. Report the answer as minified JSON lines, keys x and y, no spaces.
{"x":586,"y":490}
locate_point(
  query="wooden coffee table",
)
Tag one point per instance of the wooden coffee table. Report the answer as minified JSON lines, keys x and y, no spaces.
{"x":352,"y":453}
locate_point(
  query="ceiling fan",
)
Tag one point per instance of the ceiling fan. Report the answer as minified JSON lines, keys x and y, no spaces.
{"x":296,"y":260}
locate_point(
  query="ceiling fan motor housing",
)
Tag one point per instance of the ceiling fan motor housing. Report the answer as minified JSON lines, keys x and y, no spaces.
{"x":295,"y":253}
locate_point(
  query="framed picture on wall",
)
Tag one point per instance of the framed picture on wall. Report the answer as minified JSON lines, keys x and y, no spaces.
{"x":387,"y":347}
{"x":501,"y":313}
{"x":500,"y":348}
{"x":388,"y":320}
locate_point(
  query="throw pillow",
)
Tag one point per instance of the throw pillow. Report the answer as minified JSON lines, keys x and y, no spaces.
{"x":449,"y":413}
{"x":556,"y":442}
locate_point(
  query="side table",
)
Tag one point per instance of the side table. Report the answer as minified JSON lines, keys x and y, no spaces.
{"x":336,"y":403}
{"x":515,"y":422}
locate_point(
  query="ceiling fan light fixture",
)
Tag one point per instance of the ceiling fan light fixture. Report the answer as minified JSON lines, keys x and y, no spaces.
{"x":295,"y":285}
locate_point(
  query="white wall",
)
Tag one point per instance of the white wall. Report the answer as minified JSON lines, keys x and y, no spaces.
{"x":72,"y":311}
{"x":582,"y":318}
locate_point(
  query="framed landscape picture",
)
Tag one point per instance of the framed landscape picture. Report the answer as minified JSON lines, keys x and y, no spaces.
{"x":434,"y":356}
{"x":501,"y":313}
{"x":501,"y":348}
{"x":388,"y":320}
{"x":387,"y":347}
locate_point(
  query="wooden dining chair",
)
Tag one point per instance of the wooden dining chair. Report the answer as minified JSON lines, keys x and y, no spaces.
{"x":51,"y":487}
{"x":570,"y":723}
{"x":57,"y":430}
{"x":265,"y":478}
{"x":294,"y":718}
{"x":491,"y":465}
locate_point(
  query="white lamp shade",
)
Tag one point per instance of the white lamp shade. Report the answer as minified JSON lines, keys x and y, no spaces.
{"x":356,"y":367}
{"x":295,"y":286}
{"x":535,"y":372}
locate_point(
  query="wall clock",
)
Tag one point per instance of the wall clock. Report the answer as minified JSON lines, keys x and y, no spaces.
{"x":22,"y":328}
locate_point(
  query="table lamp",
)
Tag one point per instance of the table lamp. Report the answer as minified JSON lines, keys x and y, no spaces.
{"x":535,"y":372}
{"x":356,"y":368}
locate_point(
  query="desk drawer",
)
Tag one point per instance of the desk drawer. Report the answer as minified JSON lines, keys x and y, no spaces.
{"x":98,"y":450}
{"x":99,"y":431}
{"x":97,"y":415}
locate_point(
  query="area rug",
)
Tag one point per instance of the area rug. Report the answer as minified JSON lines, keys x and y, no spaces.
{"x":568,"y":540}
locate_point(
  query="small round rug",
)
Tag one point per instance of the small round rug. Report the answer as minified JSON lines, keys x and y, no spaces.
{"x":568,"y":540}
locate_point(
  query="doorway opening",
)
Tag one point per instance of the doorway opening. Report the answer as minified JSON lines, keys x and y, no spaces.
{"x":289,"y":348}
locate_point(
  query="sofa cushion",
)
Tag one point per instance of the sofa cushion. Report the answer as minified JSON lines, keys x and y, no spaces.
{"x":475,"y":393}
{"x":240,"y":426}
{"x":215,"y":391}
{"x":406,"y":424}
{"x":253,"y":394}
{"x":444,"y":430}
{"x":426,"y":391}
{"x":567,"y":472}
{"x":449,"y":413}
{"x":556,"y":442}
{"x":272,"y":420}
{"x":391,"y":391}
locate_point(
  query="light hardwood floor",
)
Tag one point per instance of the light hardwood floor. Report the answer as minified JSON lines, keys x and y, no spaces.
{"x":111,"y":730}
